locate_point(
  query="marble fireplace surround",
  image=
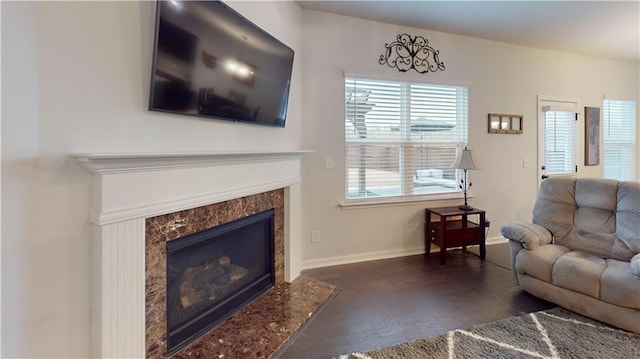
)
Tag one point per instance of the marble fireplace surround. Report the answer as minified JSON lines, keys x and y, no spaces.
{"x":130,"y":188}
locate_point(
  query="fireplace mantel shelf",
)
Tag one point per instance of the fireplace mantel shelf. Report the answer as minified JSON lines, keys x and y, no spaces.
{"x":106,"y":163}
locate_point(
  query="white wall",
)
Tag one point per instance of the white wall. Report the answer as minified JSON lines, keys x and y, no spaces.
{"x":76,"y":79}
{"x":20,"y":249}
{"x":502,"y":78}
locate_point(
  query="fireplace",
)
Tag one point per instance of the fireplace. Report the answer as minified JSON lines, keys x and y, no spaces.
{"x":178,"y":231}
{"x":141,"y":201}
{"x":213,"y":273}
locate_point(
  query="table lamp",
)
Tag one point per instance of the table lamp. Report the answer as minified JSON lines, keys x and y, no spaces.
{"x":466,"y":161}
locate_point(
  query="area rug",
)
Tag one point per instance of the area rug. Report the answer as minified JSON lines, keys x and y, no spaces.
{"x":551,"y":334}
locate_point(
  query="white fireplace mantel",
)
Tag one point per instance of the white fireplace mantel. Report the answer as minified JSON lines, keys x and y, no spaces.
{"x":105,"y":163}
{"x":134,"y":185}
{"x":130,"y":187}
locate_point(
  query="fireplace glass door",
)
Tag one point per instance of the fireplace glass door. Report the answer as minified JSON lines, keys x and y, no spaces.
{"x":213,"y":273}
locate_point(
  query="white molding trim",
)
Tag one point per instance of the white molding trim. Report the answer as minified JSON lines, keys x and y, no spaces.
{"x":372,"y":256}
{"x":119,"y":291}
{"x":445,"y":198}
{"x":106,"y":163}
{"x":163,"y":207}
{"x":496,"y":240}
{"x":363,"y":257}
{"x":133,"y":185}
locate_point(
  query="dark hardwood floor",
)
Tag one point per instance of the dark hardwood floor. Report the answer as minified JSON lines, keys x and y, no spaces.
{"x":395,"y":300}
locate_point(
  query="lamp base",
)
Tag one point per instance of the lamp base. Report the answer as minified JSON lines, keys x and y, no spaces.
{"x":466,"y":207}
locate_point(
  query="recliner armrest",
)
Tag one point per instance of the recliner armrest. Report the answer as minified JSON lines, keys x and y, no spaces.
{"x":635,"y":266}
{"x":530,"y":235}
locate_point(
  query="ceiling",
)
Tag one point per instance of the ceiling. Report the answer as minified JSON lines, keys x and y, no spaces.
{"x":608,"y":29}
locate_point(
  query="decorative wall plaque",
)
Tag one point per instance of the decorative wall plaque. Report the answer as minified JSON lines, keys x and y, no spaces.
{"x":503,"y":123}
{"x":411,"y":52}
{"x":592,"y":136}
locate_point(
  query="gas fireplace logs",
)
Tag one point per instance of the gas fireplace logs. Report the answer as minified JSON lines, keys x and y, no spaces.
{"x":209,"y":281}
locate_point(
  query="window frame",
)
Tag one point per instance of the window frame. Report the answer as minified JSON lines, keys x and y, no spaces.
{"x":407,"y":171}
{"x":619,"y":143}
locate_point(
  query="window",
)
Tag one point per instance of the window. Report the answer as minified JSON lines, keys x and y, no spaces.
{"x":402,"y":138}
{"x":619,"y":143}
{"x":559,"y":142}
{"x":557,"y":136}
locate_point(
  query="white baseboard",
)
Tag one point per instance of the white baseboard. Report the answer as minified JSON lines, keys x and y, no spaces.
{"x":372,"y":256}
{"x":362,"y":257}
{"x":496,"y":240}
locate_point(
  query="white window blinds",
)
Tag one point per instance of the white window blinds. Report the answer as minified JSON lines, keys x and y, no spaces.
{"x":401,"y":138}
{"x":619,"y":139}
{"x":559,"y":142}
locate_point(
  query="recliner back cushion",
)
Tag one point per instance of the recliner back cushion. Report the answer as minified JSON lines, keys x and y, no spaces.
{"x":556,"y":205}
{"x":596,"y":216}
{"x":627,"y":221}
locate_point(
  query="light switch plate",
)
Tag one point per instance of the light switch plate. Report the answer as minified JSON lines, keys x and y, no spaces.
{"x":328,"y":162}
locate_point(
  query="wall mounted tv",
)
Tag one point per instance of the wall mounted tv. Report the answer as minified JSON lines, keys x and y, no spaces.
{"x":210,"y":61}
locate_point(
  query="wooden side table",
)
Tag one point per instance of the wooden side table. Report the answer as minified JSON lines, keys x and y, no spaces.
{"x":454,"y":229}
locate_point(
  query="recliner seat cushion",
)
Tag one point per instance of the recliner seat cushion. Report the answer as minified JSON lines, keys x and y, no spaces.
{"x":609,"y":280}
{"x":579,"y":272}
{"x":539,"y":263}
{"x":618,"y":285}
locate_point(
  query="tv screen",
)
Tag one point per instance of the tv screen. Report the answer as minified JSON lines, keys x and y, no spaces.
{"x":210,"y":61}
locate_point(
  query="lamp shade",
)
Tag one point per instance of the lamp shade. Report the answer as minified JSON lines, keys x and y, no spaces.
{"x":466,"y":160}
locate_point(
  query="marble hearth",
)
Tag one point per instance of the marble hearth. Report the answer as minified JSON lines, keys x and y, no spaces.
{"x":139,"y":198}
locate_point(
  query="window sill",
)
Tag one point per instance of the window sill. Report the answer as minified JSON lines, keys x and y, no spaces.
{"x":400,"y":200}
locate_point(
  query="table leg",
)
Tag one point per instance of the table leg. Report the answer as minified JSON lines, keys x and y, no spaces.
{"x":483,"y":231}
{"x":443,"y":249}
{"x":427,"y":234}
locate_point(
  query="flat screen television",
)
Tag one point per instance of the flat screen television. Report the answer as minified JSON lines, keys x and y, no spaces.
{"x":209,"y":61}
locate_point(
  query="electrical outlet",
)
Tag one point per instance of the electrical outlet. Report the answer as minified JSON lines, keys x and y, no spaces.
{"x":526,"y":163}
{"x":315,"y":236}
{"x":328,"y":162}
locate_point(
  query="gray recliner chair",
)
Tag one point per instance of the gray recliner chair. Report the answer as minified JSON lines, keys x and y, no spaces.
{"x":582,"y":248}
